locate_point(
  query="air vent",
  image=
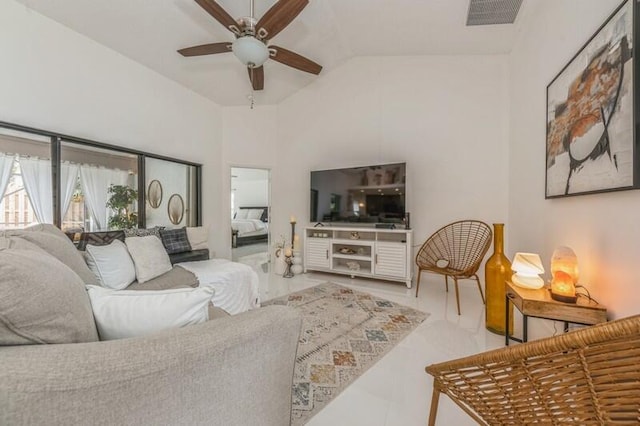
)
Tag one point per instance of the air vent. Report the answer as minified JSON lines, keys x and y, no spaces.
{"x":492,"y":12}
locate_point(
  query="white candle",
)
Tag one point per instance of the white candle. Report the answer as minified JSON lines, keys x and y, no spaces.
{"x":296,"y":242}
{"x":292,"y":219}
{"x":288,"y":252}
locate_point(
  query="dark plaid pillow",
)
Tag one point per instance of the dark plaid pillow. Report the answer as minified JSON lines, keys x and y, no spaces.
{"x":175,"y":240}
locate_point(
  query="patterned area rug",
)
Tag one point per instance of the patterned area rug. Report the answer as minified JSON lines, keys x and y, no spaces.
{"x":344,"y":332}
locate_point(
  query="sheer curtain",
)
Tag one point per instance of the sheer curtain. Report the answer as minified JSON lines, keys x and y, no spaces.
{"x":95,"y":183}
{"x":68,"y":179}
{"x":6,"y":164}
{"x":36,"y":176}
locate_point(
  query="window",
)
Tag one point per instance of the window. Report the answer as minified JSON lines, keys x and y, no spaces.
{"x":25,"y":180}
{"x":98,"y":188}
{"x":81,"y":185}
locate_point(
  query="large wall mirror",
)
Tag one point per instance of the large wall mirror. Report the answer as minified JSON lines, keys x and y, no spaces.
{"x":171,"y":193}
{"x":250,"y":210}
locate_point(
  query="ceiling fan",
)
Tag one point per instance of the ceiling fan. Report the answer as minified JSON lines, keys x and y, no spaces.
{"x":252,"y":36}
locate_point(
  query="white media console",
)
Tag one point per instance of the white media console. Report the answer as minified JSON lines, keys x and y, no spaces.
{"x":360,"y":252}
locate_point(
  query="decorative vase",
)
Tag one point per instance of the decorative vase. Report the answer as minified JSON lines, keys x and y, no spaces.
{"x":496,"y":271}
{"x":280,"y":265}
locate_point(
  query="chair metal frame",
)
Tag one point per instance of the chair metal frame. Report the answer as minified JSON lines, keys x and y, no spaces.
{"x":456,"y":250}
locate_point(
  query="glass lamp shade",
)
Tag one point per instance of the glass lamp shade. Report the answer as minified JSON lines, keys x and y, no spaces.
{"x":564,"y":259}
{"x":527,"y":268}
{"x":251,"y":51}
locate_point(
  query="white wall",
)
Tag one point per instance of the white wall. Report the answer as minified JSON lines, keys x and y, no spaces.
{"x":55,"y":79}
{"x":446,"y":116}
{"x":602,"y":228}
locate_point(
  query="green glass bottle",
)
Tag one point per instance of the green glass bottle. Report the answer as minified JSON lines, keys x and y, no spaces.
{"x":496,"y":271}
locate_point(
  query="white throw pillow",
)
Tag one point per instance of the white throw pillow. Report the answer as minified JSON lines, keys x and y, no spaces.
{"x":120,"y":314}
{"x":149,"y":257}
{"x":255,"y":214}
{"x":198,"y":237}
{"x":242,"y":213}
{"x":111,"y":264}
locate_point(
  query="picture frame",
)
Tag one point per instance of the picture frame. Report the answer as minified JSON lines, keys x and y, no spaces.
{"x":154,"y":193}
{"x":175,"y":209}
{"x":591,"y":119}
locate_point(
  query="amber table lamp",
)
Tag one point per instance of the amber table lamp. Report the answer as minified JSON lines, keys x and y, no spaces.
{"x":564,"y":269}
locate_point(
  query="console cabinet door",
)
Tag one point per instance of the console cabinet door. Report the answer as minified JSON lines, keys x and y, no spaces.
{"x":318,"y":253}
{"x":391,"y":259}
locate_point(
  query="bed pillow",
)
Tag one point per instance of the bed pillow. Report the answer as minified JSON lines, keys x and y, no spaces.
{"x":42,"y":301}
{"x":150,"y":259}
{"x":242,"y":213}
{"x":111,"y":264}
{"x":255,"y":214}
{"x":198,"y":237}
{"x":175,"y":240}
{"x":132,"y":313}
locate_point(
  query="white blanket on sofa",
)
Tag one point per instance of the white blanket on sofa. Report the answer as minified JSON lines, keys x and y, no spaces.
{"x":235,"y":284}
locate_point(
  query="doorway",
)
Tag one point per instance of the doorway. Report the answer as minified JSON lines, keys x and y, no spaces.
{"x":250,"y":209}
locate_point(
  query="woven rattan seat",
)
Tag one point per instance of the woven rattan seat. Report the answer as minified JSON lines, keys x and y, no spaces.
{"x":585,"y":377}
{"x":455,"y":250}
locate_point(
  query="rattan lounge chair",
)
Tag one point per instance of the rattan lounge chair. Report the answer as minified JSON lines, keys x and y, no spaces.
{"x":455,"y":250}
{"x":585,"y":377}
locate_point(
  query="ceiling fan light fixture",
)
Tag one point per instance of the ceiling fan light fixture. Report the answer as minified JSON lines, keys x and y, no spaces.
{"x":251,"y":51}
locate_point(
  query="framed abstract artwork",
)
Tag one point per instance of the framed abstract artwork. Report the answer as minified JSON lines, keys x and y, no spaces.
{"x":591,"y":117}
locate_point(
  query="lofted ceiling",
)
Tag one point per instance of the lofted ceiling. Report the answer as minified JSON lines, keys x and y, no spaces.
{"x":327,"y":31}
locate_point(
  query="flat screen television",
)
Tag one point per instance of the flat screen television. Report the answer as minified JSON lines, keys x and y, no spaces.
{"x":369,"y":194}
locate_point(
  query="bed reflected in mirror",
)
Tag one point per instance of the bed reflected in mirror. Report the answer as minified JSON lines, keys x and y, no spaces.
{"x":250,"y":217}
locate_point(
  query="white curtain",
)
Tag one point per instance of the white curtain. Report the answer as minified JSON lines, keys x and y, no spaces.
{"x":36,"y":176}
{"x":68,"y":179}
{"x":6,"y":164}
{"x":95,"y":183}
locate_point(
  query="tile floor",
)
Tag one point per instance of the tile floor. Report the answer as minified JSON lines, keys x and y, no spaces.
{"x":396,"y":391}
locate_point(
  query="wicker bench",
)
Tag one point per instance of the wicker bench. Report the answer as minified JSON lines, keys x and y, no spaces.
{"x":589,"y":376}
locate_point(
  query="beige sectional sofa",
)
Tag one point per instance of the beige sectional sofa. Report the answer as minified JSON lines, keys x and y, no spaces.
{"x":234,"y":370}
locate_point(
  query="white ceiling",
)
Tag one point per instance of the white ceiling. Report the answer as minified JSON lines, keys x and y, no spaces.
{"x":327,"y":31}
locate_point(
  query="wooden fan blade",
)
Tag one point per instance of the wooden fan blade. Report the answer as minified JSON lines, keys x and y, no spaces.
{"x":206,"y":49}
{"x":294,"y":60}
{"x":219,"y":14}
{"x":256,"y":75}
{"x":278,"y":17}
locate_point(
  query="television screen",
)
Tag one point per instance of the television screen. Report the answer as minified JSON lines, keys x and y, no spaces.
{"x":370,"y":194}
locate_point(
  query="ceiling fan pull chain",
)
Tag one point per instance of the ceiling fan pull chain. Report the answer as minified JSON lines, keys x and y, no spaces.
{"x":251,"y":97}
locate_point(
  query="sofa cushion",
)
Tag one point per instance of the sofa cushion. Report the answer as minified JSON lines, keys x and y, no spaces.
{"x":189,"y":256}
{"x":111,"y":264}
{"x":42,"y":301}
{"x":121,"y":314}
{"x":175,"y":240}
{"x":216,"y":312}
{"x":149,"y":257}
{"x":55,"y":242}
{"x":198,"y":237}
{"x":141,"y":232}
{"x":175,"y":278}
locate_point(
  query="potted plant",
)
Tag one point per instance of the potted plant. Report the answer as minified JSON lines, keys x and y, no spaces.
{"x":121,"y":201}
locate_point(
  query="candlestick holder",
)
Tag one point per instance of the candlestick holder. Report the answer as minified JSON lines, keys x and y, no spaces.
{"x":293,"y":231}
